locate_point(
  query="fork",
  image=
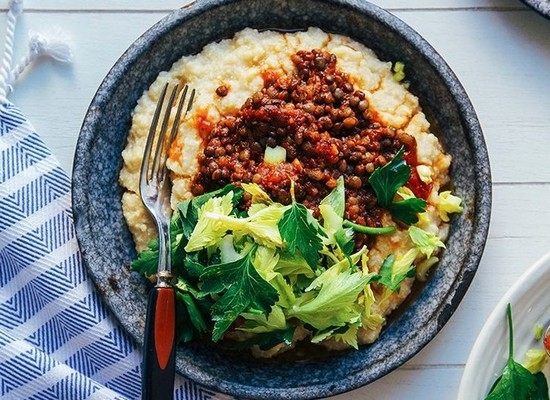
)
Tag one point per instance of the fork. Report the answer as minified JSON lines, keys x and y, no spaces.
{"x":154,"y":187}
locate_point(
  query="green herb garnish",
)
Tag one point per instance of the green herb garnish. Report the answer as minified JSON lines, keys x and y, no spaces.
{"x":369,"y":230}
{"x":516,"y":381}
{"x":243,"y":288}
{"x":387,"y":180}
{"x":392,"y":273}
{"x":398,"y":71}
{"x":147,"y":261}
{"x":271,"y":268}
{"x":301,"y":231}
{"x":335,"y":304}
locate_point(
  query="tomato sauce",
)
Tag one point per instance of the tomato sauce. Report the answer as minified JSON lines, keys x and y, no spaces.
{"x":327,"y":129}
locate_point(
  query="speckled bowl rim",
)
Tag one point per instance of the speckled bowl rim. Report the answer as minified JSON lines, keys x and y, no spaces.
{"x":540,"y":6}
{"x":427,"y":314}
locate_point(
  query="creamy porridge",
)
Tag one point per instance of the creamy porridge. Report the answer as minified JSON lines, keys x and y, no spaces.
{"x":334,"y":115}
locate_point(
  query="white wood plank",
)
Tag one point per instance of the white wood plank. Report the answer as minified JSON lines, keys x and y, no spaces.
{"x":500,"y":58}
{"x":105,"y":5}
{"x":512,"y":107}
{"x":165,"y":5}
{"x":498,"y":49}
{"x":447,"y":4}
{"x":438,"y":383}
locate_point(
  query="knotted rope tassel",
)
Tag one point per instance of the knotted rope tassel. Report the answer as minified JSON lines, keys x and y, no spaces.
{"x":54,"y":46}
{"x":15,"y":8}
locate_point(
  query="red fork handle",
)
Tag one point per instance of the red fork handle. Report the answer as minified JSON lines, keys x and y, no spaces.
{"x":160,"y":345}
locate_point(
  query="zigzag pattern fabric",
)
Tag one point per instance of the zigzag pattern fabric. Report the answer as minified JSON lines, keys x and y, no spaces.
{"x":57,"y":339}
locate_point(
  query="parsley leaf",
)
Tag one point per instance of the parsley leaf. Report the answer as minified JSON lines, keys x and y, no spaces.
{"x":193,"y":310}
{"x":406,"y":210}
{"x":541,"y":386}
{"x":344,"y":241}
{"x":147,"y":261}
{"x":516,"y":381}
{"x":243,"y":288}
{"x":387,"y":180}
{"x":300,"y":231}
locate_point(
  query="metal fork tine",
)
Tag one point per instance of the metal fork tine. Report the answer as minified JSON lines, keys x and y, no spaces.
{"x":178,"y":116}
{"x":144,"y":171}
{"x":162,"y":144}
{"x":183,"y":95}
{"x":190,"y":104}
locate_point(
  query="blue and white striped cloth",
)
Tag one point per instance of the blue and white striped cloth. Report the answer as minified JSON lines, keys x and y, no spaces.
{"x":57,"y":339}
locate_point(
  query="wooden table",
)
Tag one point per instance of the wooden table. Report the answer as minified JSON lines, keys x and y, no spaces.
{"x":499,"y":49}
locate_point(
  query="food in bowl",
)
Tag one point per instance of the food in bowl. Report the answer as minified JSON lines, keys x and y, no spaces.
{"x":308,"y":190}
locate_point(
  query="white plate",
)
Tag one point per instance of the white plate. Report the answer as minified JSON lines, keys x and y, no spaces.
{"x":530,"y":301}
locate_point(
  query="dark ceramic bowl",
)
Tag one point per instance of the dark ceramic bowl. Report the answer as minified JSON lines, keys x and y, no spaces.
{"x":540,"y":6}
{"x":107,"y":246}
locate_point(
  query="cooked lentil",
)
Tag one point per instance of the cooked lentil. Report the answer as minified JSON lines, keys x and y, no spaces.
{"x":324,"y":125}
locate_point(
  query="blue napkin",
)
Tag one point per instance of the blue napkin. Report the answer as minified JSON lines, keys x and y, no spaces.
{"x":57,"y":338}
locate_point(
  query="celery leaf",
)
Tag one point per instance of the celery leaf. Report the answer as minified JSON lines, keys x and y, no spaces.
{"x":208,"y":232}
{"x":336,"y":198}
{"x":335,"y":304}
{"x":391,"y":274}
{"x":188,"y":211}
{"x":424,"y":241}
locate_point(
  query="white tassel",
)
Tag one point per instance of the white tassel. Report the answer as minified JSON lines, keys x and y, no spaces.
{"x":54,"y":45}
